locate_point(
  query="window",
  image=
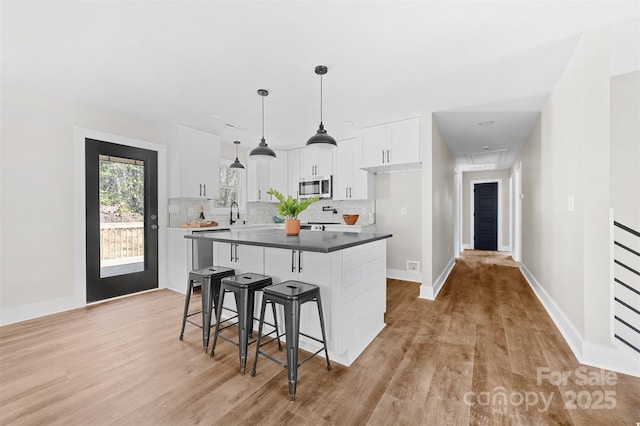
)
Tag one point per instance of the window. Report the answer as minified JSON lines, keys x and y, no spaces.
{"x":231,"y":187}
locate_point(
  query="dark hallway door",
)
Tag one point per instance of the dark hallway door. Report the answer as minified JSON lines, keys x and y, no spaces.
{"x":485,"y":221}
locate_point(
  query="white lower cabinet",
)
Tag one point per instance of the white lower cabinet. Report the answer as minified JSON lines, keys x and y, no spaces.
{"x":312,"y":268}
{"x":243,"y":259}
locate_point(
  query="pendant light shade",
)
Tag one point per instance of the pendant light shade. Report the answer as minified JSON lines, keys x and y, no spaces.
{"x":321,"y":139}
{"x":236,"y":164}
{"x":262,"y":151}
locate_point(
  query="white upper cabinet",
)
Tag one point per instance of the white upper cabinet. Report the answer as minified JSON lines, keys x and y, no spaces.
{"x":294,"y":171}
{"x":262,"y":175}
{"x":393,"y":146}
{"x":349,"y":181}
{"x":278,"y":174}
{"x":315,"y":162}
{"x":195,"y":168}
{"x":257,"y":180}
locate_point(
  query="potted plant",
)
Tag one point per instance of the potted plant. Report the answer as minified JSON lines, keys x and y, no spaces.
{"x":290,"y":208}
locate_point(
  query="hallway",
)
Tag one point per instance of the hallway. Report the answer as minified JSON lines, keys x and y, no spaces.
{"x":486,"y":352}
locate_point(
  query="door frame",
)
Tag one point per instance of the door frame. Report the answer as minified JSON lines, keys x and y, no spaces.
{"x":80,"y":252}
{"x":472,"y":210}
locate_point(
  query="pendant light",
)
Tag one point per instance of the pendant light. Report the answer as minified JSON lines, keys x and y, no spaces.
{"x":321,"y":139}
{"x":236,"y":164}
{"x":262,"y":151}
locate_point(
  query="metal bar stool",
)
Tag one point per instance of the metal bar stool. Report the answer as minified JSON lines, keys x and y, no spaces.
{"x":209,"y":278}
{"x":244,"y":287}
{"x":292,"y":294}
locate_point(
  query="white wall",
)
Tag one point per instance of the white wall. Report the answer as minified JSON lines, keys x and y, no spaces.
{"x":625,"y":148}
{"x":467,"y":177}
{"x":37,"y":198}
{"x":396,"y":192}
{"x":438,"y":167}
{"x":565,"y":227}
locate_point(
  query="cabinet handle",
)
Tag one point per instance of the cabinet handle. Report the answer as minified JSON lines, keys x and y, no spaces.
{"x":383,"y":156}
{"x":293,"y":261}
{"x":231,"y":251}
{"x":200,"y":190}
{"x":349,"y":192}
{"x":205,"y":189}
{"x":237,"y":252}
{"x":299,"y":260}
{"x":388,"y":160}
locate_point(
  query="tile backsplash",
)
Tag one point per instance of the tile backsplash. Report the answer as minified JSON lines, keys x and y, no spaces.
{"x":183,"y":210}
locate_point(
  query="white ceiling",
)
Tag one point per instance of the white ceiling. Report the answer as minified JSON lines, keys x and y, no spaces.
{"x":184,"y":62}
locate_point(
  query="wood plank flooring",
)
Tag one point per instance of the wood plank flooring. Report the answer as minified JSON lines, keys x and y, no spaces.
{"x":470,"y":357}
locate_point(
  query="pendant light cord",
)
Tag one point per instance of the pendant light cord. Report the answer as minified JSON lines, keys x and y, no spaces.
{"x":263,"y":118}
{"x":320,"y":98}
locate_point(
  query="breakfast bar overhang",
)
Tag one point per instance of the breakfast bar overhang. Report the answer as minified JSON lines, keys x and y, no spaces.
{"x":349,"y":268}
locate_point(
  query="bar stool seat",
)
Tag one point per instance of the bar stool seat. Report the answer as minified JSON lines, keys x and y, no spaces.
{"x":244,"y":287}
{"x":291,"y":295}
{"x":209,"y":278}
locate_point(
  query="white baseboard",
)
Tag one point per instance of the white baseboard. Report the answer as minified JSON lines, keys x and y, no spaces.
{"x":599,"y":356}
{"x":467,"y":247}
{"x":431,"y":292}
{"x":35,"y":310}
{"x":504,"y":248}
{"x":399,"y":274}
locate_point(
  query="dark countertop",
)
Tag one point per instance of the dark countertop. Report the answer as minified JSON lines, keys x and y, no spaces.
{"x":318,"y":241}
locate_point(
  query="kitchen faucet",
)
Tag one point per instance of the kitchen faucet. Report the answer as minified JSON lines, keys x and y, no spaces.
{"x":231,"y":220}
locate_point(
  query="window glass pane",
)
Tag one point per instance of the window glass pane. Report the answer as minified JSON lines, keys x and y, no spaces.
{"x":229,"y":182}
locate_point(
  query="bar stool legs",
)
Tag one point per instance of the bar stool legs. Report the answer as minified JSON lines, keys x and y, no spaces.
{"x":244,"y":287}
{"x":209,"y":278}
{"x":292,"y":294}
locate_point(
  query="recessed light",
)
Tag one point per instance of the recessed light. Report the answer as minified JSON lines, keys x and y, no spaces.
{"x":486,"y":147}
{"x":485,"y":123}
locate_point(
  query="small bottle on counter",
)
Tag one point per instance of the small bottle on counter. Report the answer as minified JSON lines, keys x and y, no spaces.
{"x":201,"y":216}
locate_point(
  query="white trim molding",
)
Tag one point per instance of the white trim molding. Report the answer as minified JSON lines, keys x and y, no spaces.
{"x":599,"y":356}
{"x":399,"y":274}
{"x":472,"y":209}
{"x":431,"y":292}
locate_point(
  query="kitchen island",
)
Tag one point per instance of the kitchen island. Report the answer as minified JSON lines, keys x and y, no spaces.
{"x":349,"y":268}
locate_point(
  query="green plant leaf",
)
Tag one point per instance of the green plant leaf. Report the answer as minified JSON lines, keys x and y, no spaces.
{"x":290,"y":207}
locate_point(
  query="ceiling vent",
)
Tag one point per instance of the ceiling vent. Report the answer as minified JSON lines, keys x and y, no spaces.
{"x":231,"y":126}
{"x":487,"y":157}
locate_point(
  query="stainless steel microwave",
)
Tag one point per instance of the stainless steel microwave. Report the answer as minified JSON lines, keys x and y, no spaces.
{"x":316,"y":185}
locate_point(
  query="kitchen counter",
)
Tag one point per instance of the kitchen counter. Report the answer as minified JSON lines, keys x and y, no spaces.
{"x":314,"y":241}
{"x":348,"y":267}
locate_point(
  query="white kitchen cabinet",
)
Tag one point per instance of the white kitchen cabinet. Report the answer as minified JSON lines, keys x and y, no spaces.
{"x":262,"y":175}
{"x":257,"y":180}
{"x":349,"y":181}
{"x":315,"y":162}
{"x":310,"y":267}
{"x":294,"y":171}
{"x":392,"y":146}
{"x":242,"y":258}
{"x":198,"y":166}
{"x":182,"y":257}
{"x":279,"y":175}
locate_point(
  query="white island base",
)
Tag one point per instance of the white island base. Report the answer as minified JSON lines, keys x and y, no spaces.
{"x":352,"y":285}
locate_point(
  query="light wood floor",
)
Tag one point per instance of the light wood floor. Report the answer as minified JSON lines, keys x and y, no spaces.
{"x":436,"y":363}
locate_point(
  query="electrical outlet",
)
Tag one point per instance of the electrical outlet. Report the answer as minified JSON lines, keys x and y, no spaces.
{"x":413,"y":266}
